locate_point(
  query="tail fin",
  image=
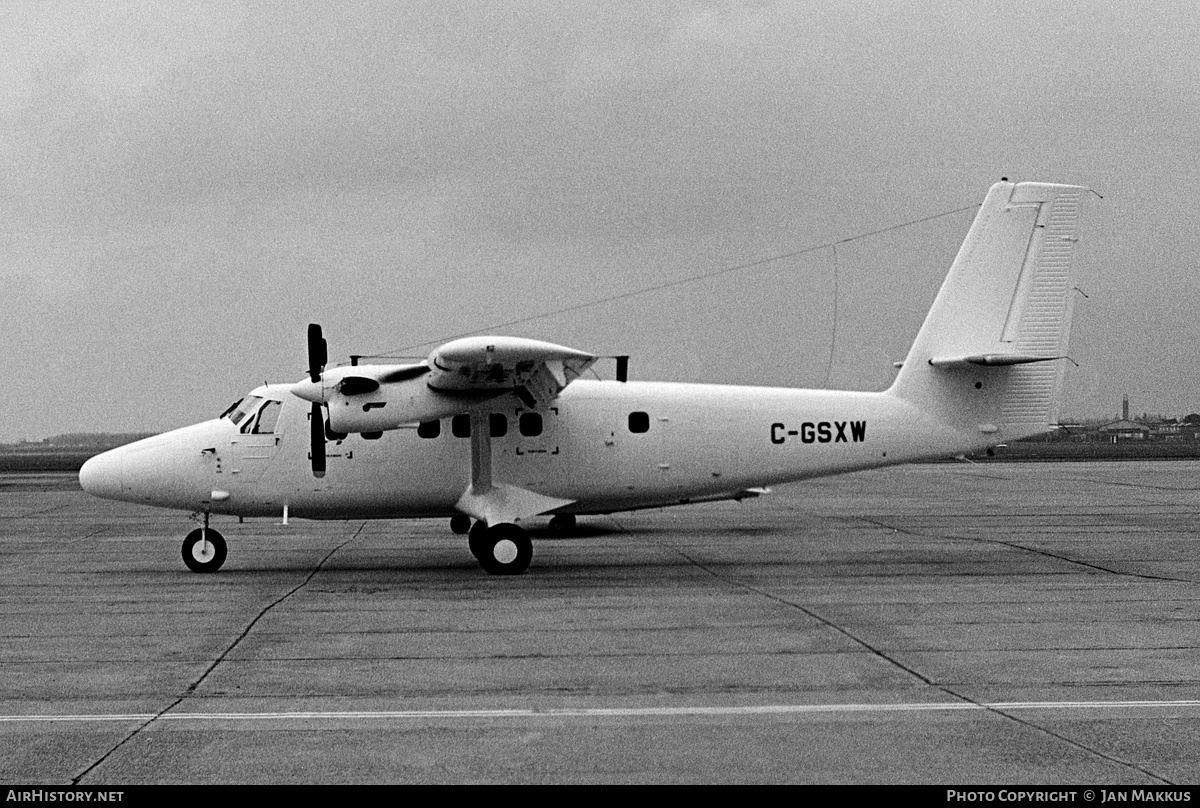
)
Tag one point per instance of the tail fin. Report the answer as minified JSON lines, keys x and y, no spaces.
{"x":989,"y":359}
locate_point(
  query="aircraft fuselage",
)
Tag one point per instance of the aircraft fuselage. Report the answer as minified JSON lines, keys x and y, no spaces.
{"x":604,"y":445}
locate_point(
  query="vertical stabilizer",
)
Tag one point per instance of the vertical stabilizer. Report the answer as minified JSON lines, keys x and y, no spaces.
{"x":990,"y":357}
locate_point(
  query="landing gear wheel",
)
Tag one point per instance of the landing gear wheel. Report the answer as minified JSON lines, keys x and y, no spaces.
{"x":460,"y":524}
{"x":204,"y":553}
{"x":477,"y":540}
{"x":562,"y":524}
{"x":507,"y":550}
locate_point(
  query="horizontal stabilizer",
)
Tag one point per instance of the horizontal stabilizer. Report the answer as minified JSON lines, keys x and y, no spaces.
{"x":989,"y":360}
{"x":739,"y":495}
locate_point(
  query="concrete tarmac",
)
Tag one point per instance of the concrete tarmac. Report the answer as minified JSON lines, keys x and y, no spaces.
{"x":950,"y":624}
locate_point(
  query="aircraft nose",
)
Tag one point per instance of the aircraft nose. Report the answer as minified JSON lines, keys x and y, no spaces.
{"x":101,"y":476}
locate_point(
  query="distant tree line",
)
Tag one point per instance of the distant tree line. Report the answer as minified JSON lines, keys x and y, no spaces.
{"x":79,"y":440}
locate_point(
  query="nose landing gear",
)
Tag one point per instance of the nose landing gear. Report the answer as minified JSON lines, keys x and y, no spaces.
{"x":204,"y":550}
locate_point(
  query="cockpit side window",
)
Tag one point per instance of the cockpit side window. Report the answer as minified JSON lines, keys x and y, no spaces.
{"x":243,"y":408}
{"x":268,"y":416}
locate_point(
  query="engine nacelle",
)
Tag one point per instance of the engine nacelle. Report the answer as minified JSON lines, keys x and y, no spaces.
{"x":457,"y":377}
{"x":396,"y":404}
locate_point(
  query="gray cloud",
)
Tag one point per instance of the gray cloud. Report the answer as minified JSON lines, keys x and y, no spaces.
{"x":186,"y":187}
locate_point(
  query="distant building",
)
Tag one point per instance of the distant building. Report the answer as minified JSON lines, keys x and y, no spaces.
{"x":1123,"y":430}
{"x":1189,"y":427}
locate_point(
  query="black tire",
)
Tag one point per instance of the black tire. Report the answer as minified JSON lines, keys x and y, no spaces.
{"x":506,"y":551}
{"x":477,"y":540}
{"x":204,"y":558}
{"x":460,"y":524}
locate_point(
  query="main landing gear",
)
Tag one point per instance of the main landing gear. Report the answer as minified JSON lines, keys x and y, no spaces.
{"x":502,"y":549}
{"x":204,"y":550}
{"x":562,"y":524}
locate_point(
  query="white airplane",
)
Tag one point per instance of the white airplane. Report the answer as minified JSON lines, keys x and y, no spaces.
{"x":491,"y":431}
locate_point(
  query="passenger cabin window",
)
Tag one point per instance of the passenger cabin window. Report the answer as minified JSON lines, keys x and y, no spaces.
{"x":530,"y":424}
{"x":460,"y":425}
{"x":639,"y":422}
{"x":429,"y":429}
{"x":268,"y":417}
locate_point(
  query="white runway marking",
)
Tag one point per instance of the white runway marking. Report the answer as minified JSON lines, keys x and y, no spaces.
{"x":610,"y":712}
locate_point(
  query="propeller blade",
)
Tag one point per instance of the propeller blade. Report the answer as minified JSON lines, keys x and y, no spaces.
{"x":317,"y":431}
{"x":318,"y":352}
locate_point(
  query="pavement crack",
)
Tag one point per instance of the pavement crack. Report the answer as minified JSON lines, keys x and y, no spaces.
{"x":1146,"y":486}
{"x":1058,"y":736}
{"x":263,"y":613}
{"x":849,"y":635}
{"x":220,"y":658}
{"x":1033,"y":550}
{"x":917,"y":674}
{"x":38,"y":512}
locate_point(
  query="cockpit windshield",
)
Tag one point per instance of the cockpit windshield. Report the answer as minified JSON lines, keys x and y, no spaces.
{"x":242,"y":408}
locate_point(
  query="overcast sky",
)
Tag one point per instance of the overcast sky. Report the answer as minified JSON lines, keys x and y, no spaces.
{"x":187,"y":185}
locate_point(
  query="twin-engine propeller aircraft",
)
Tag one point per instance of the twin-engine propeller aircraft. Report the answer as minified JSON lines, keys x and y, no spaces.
{"x":491,"y":431}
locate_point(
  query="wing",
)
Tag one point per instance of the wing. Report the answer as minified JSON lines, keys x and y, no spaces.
{"x":456,"y":377}
{"x":536,"y":371}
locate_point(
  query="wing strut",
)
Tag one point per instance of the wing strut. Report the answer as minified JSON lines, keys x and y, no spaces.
{"x":481,"y":452}
{"x":495,"y":503}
